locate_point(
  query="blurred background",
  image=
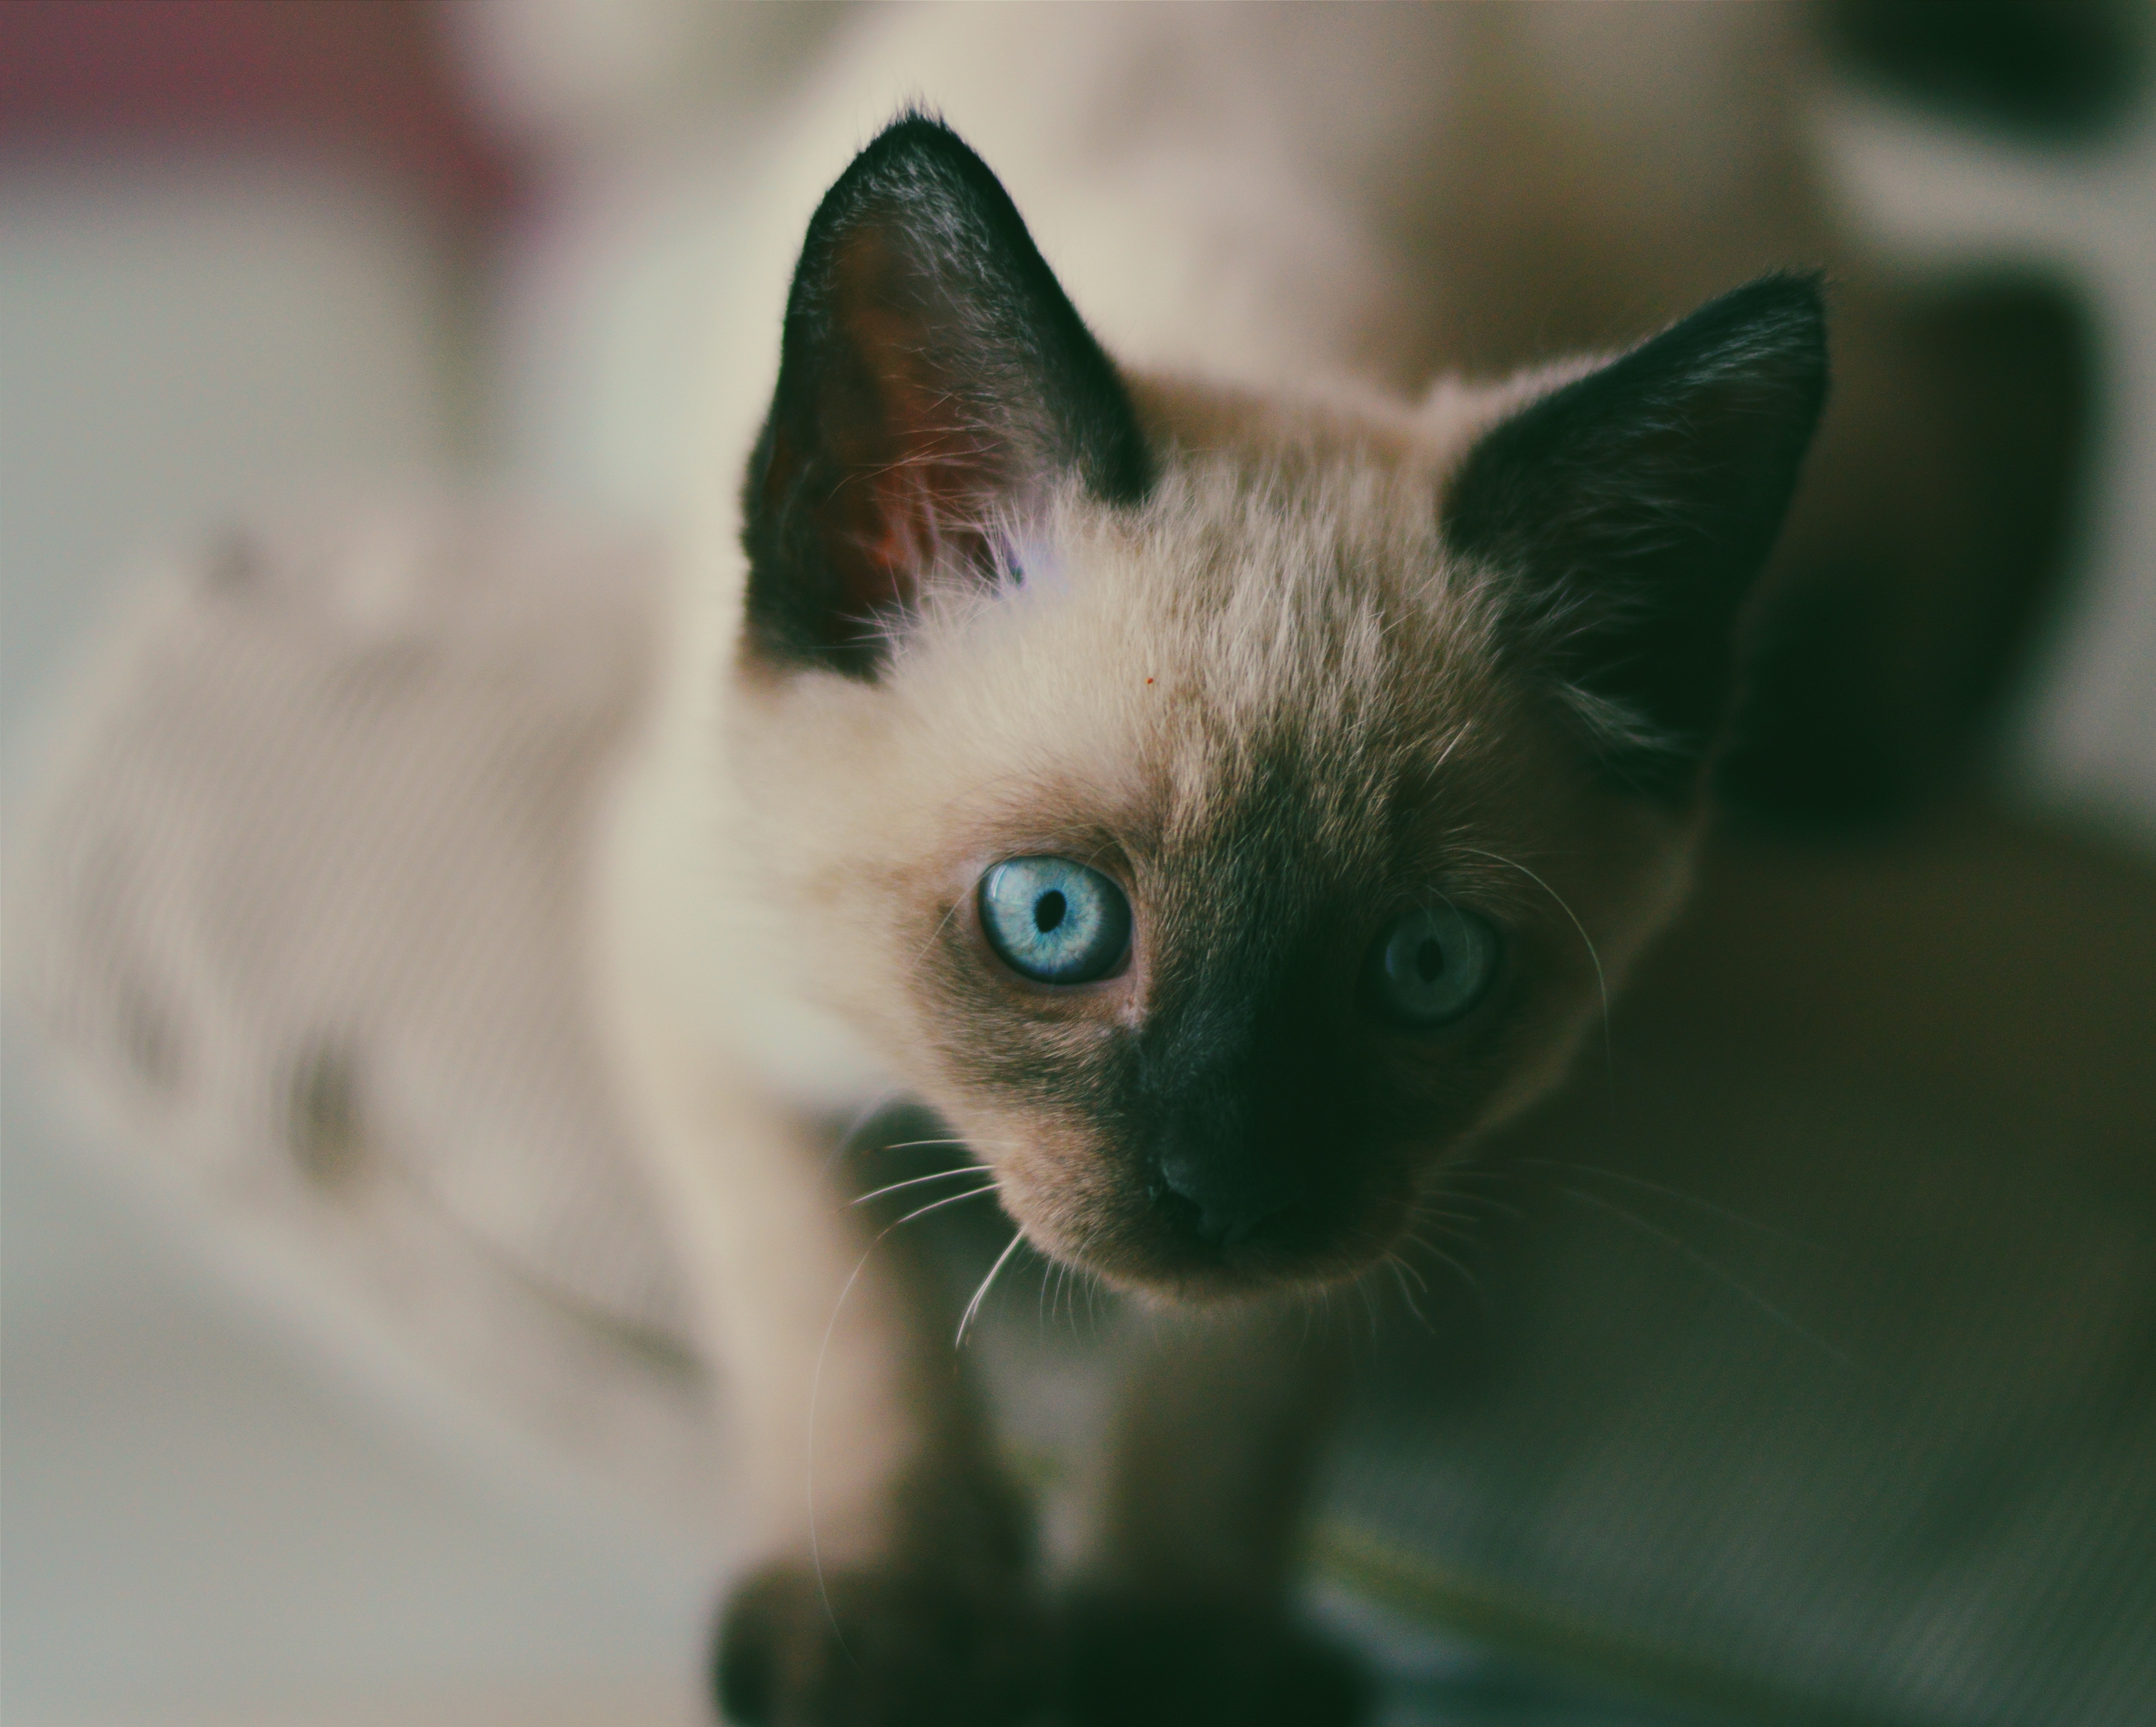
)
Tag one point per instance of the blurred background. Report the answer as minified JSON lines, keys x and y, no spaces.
{"x":251,"y":250}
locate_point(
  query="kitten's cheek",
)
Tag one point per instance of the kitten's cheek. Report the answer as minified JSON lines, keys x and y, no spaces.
{"x":1062,"y":1194}
{"x":1053,"y":1218}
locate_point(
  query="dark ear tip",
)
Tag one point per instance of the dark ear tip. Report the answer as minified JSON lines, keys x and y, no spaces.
{"x":915,"y":128}
{"x":1779,"y":316}
{"x":1799,"y":290}
{"x":918,"y":141}
{"x":916,"y":159}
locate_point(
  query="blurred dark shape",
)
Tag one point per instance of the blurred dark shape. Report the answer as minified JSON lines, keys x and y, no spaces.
{"x":2053,"y":70}
{"x":1938,"y":517}
{"x":1836,"y":1286}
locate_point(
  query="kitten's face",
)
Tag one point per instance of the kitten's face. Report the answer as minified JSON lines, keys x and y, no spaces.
{"x":1219,"y":840}
{"x":1264,"y":720}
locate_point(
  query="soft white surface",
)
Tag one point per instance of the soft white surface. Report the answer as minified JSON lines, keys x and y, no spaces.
{"x":207,"y":1522}
{"x":222,"y":1505}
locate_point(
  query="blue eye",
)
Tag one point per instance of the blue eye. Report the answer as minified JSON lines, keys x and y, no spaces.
{"x":1430,"y":967}
{"x":1054,"y":920}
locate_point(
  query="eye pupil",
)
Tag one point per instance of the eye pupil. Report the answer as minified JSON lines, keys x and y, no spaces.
{"x":1429,"y":967}
{"x":1054,"y":920}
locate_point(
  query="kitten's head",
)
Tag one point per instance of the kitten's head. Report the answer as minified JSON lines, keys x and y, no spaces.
{"x":1222,"y":811}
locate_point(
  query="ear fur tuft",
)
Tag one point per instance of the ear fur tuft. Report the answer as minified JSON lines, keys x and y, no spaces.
{"x":1629,"y":513}
{"x":934,"y":384}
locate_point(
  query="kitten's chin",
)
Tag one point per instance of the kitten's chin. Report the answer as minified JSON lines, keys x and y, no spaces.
{"x":1153,"y":1262}
{"x":1225,"y":1285}
{"x":1196,"y":1282}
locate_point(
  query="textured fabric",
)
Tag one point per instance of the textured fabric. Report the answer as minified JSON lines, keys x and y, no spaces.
{"x":1899,"y":1460}
{"x":1755,"y":1375}
{"x":303,"y":899}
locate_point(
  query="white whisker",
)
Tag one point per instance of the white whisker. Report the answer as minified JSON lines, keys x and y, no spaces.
{"x":1399,"y":1267}
{"x":867,"y":1113}
{"x":1474,"y":1284}
{"x":1601,"y":983}
{"x":938,"y":1205}
{"x":1369,"y":1305}
{"x":815,"y":1391}
{"x":935,"y":936}
{"x":1697,"y":1203}
{"x":973,"y":1306}
{"x":1455,"y":1223}
{"x":1721,"y":1276}
{"x":963,"y":1169}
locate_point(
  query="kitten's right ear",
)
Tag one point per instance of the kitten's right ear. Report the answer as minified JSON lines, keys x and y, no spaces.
{"x":935,"y":385}
{"x":1627,"y":514}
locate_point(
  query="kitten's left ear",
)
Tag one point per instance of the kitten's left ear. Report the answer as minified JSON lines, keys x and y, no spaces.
{"x":934,"y":384}
{"x":1628,"y":514}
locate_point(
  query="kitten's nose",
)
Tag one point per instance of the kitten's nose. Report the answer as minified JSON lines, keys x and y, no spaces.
{"x":1222,"y":1206}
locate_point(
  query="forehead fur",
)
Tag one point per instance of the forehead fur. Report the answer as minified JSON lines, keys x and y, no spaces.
{"x":1282,"y":606}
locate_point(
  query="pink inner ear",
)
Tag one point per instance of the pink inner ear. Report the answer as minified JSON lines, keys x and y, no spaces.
{"x":919,"y":470}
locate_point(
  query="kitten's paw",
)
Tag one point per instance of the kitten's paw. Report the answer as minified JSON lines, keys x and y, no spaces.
{"x":897,"y":1647}
{"x":1150,"y":1664}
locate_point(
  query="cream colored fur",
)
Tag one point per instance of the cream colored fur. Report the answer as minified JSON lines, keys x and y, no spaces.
{"x":1315,"y":212}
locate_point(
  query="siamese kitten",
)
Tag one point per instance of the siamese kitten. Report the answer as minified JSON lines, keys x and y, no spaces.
{"x":1219,"y":808}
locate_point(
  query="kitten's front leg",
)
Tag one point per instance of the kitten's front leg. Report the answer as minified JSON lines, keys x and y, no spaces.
{"x":939,"y":1624}
{"x":1186,"y":1615}
{"x":897,"y":1586}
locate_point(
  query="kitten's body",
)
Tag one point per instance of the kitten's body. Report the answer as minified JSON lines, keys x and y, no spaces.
{"x":1256,"y":642}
